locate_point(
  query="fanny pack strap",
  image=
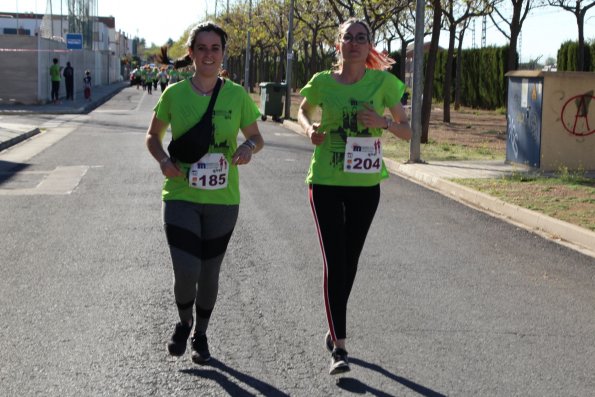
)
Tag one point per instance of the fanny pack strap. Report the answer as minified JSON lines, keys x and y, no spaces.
{"x":209,"y":112}
{"x":211,"y":106}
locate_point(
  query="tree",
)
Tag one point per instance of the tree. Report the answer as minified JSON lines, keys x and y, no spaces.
{"x":458,"y":71}
{"x":578,"y":8}
{"x":403,"y":26}
{"x":520,"y":10}
{"x":376,"y":13}
{"x":274,"y":17}
{"x":457,"y":14}
{"x":316,"y":18}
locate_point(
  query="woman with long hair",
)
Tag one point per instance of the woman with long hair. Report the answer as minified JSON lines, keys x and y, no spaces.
{"x":347,"y":167}
{"x":201,"y":199}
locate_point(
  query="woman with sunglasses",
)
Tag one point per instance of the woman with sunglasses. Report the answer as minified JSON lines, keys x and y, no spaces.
{"x":347,"y":167}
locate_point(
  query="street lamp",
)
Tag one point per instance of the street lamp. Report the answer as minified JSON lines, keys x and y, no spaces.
{"x":225,"y":59}
{"x":247,"y":66}
{"x":289,"y":62}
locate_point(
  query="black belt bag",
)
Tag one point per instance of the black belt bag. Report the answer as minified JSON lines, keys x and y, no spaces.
{"x":194,"y":143}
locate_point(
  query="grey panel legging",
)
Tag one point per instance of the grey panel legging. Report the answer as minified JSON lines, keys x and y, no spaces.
{"x":197,"y":235}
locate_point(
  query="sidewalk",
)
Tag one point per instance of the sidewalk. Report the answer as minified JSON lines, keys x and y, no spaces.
{"x":436,"y":175}
{"x":79,"y":105}
{"x":17,"y":123}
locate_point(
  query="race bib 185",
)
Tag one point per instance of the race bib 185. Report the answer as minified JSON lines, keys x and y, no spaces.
{"x":211,"y":172}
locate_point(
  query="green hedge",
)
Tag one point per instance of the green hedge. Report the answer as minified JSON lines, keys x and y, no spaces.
{"x":567,"y":59}
{"x":483,"y":84}
{"x":483,"y":81}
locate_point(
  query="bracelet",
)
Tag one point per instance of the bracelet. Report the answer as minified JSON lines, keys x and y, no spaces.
{"x":389,"y":122}
{"x":164,"y":160}
{"x":250,"y":144}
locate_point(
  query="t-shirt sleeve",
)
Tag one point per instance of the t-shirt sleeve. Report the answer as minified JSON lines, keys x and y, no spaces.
{"x":395,"y":89}
{"x":162,"y":108}
{"x":311,"y":92}
{"x":250,"y":112}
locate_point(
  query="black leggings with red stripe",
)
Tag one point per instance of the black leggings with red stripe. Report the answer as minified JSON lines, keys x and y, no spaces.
{"x":343,"y":215}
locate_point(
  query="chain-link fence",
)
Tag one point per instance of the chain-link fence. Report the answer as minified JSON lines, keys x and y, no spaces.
{"x":70,"y":16}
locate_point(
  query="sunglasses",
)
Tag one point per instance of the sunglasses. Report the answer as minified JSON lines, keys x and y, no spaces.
{"x":359,"y":38}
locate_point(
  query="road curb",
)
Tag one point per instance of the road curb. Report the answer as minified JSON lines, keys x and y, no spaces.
{"x":552,"y":228}
{"x":19,"y":138}
{"x":103,"y":94}
{"x":95,"y":104}
{"x":575,"y":237}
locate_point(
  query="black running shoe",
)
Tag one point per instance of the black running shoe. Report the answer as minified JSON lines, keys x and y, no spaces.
{"x":177,"y":344}
{"x":200,"y":350}
{"x":328,"y":342}
{"x":339,"y":362}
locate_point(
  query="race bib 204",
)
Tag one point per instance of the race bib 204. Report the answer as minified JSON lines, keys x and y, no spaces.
{"x":363,"y":155}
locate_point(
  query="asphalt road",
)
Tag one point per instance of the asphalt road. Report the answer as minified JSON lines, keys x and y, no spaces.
{"x":448,"y":301}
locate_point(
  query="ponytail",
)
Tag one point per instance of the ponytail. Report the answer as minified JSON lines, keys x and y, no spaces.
{"x":178,"y":63}
{"x":378,"y":61}
{"x":182,"y":62}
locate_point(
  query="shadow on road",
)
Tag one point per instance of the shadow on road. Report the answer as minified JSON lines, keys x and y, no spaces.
{"x":356,"y":386}
{"x":9,"y":169}
{"x":228,"y":385}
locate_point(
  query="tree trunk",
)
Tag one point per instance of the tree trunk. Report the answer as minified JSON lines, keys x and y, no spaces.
{"x":581,"y":43}
{"x":252,"y":74}
{"x":511,"y":63}
{"x":403,"y":65}
{"x":458,"y":74}
{"x":448,"y":77}
{"x":426,"y":107}
{"x":313,"y":66}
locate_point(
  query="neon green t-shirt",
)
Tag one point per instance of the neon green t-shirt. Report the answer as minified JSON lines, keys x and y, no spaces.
{"x":174,"y":76}
{"x":55,"y":72}
{"x":340,"y":104}
{"x":182,"y":108}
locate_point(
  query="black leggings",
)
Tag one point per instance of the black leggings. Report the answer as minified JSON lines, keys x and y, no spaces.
{"x":197,"y":235}
{"x":343,"y":215}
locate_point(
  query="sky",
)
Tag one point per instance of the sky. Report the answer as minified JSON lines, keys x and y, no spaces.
{"x":543,"y":31}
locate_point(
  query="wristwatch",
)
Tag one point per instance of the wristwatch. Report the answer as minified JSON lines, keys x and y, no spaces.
{"x":389,"y":122}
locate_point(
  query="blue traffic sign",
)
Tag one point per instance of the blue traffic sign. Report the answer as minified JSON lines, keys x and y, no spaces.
{"x":74,"y":41}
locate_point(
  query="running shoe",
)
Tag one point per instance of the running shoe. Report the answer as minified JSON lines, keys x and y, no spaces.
{"x":339,"y":362}
{"x":200,"y":350}
{"x":177,"y":344}
{"x":328,"y":342}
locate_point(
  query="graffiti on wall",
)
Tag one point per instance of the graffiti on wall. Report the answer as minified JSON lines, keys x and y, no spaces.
{"x":575,"y":115}
{"x":513,"y":137}
{"x":524,"y":121}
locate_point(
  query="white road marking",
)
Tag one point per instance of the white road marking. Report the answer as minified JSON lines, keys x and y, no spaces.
{"x":52,"y":132}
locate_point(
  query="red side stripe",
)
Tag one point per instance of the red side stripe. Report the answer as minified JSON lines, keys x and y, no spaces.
{"x":325,"y":267}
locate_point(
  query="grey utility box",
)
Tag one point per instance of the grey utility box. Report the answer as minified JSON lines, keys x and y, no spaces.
{"x":551,"y":119}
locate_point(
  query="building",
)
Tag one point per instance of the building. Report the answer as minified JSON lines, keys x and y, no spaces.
{"x":409,"y":61}
{"x":29,"y":42}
